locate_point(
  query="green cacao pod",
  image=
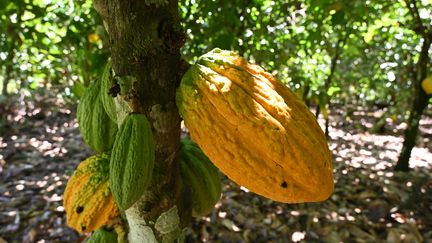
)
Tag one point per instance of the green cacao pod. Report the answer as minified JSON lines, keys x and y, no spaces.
{"x":201,"y":176}
{"x":255,"y":129}
{"x":96,"y":128}
{"x":132,"y":160}
{"x":88,"y":201}
{"x":107,"y":100}
{"x":103,"y":236}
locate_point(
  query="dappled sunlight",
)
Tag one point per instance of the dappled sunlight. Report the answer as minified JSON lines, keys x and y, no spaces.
{"x":37,"y":155}
{"x":376,"y":151}
{"x":33,"y":197}
{"x":47,"y":148}
{"x":49,"y":145}
{"x":421,"y":157}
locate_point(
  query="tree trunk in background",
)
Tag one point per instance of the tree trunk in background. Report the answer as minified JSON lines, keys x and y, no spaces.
{"x":420,"y":102}
{"x":305,"y":98}
{"x":7,"y":77}
{"x":9,"y":60}
{"x":325,"y":103}
{"x":145,"y":40}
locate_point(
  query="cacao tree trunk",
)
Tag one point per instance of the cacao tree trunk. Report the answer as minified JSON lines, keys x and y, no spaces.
{"x":419,"y":104}
{"x":145,"y":38}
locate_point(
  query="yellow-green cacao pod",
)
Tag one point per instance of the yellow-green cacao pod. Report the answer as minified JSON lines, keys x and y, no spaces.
{"x":107,"y":100}
{"x":132,"y":160}
{"x":88,"y":201}
{"x":103,"y":235}
{"x":96,"y":128}
{"x":255,"y":129}
{"x":201,"y":176}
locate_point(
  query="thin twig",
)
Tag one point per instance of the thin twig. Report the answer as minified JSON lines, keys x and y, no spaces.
{"x":412,"y":7}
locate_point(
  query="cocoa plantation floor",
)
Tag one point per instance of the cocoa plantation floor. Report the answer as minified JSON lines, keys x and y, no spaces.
{"x":40,"y":146}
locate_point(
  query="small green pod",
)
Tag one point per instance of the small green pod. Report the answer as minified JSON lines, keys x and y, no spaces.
{"x":132,"y":160}
{"x":107,"y":100}
{"x":103,"y":236}
{"x":201,"y":176}
{"x":96,"y":128}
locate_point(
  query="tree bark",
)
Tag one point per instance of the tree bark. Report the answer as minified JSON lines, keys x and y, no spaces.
{"x":145,"y":41}
{"x":421,"y":99}
{"x":419,"y":104}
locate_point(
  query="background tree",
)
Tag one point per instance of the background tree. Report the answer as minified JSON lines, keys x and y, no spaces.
{"x":422,"y":26}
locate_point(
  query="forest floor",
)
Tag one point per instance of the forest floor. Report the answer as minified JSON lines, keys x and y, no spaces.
{"x":40,"y":147}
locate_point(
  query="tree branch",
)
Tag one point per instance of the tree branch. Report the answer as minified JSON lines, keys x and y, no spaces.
{"x":339,"y":47}
{"x":413,"y":9}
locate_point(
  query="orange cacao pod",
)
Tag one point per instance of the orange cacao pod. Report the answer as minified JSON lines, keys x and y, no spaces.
{"x":87,"y":198}
{"x":255,"y":129}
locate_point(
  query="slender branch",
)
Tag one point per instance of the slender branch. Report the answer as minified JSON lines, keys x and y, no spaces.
{"x":188,"y":13}
{"x":416,"y":13}
{"x":339,"y":46}
{"x":413,"y":9}
{"x":424,"y":59}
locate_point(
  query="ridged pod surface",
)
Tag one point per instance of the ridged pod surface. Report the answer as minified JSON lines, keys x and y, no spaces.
{"x":96,"y":128}
{"x":107,"y":100}
{"x":132,"y":160}
{"x":88,"y":201}
{"x":103,"y":236}
{"x":255,"y":129}
{"x":201,"y":176}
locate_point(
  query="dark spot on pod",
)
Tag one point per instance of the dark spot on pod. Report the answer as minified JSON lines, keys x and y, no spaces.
{"x":79,"y":209}
{"x":284,"y":184}
{"x":109,"y":229}
{"x":83,"y":227}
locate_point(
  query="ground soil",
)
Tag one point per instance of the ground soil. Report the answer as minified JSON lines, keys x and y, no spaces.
{"x":40,"y":147}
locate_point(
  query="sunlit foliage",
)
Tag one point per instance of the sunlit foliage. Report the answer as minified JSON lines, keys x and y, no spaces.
{"x":373,"y":43}
{"x":49,"y":43}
